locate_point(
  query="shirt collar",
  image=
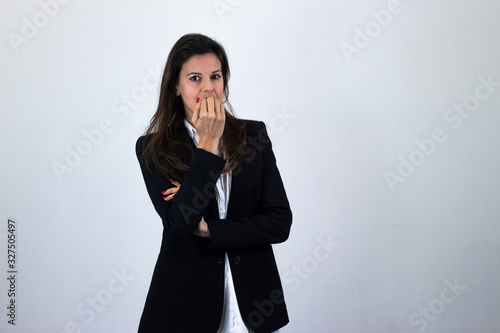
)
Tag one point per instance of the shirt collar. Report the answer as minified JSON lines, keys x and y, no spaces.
{"x":192,"y":132}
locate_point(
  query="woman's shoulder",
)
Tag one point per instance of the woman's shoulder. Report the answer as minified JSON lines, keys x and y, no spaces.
{"x":254,"y":126}
{"x":141,"y":142}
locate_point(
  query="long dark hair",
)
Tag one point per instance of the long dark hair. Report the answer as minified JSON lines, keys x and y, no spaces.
{"x":164,"y":141}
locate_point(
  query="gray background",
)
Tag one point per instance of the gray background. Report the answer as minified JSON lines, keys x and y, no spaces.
{"x":394,"y":190}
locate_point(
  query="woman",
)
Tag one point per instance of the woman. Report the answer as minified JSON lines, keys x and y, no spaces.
{"x":213,"y":180}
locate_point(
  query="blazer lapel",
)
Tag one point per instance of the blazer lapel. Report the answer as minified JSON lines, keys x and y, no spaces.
{"x":239,"y":183}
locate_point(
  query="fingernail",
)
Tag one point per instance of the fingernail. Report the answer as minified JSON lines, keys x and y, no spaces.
{"x":165,"y":198}
{"x":164,"y":192}
{"x":198,"y":100}
{"x":171,"y":180}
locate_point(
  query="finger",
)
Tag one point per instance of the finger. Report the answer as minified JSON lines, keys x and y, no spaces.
{"x":204,"y":105}
{"x":203,"y":109}
{"x":217,"y":108}
{"x":222,"y":111}
{"x":196,"y":112}
{"x":176,"y":183}
{"x":170,"y":191}
{"x":211,"y":106}
{"x":168,"y":197}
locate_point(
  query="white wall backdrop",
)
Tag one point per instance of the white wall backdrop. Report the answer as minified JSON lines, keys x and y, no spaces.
{"x":384,"y":116}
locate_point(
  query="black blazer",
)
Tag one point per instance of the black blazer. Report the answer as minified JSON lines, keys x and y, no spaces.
{"x":187,"y":288}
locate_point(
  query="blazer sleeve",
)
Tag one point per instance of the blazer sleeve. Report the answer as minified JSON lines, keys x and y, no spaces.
{"x":271,"y":218}
{"x":183,"y":213}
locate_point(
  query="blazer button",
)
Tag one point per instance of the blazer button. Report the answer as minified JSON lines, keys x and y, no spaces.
{"x":237,"y":260}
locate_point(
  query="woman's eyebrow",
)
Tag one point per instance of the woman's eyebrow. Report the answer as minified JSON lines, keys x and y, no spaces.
{"x":195,"y":73}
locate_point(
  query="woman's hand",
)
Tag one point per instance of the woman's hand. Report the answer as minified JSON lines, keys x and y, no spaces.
{"x":169,"y":194}
{"x":209,"y":118}
{"x":202,"y":229}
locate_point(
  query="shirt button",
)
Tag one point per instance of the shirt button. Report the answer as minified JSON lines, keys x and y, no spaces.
{"x":237,"y":260}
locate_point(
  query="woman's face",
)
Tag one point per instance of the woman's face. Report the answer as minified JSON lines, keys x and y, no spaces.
{"x":200,"y":77}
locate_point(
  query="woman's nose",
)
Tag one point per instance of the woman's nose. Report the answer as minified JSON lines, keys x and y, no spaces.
{"x":208,"y":86}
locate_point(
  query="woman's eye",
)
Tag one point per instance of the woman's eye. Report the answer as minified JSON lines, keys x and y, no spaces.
{"x":216,"y":76}
{"x":194,"y":78}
